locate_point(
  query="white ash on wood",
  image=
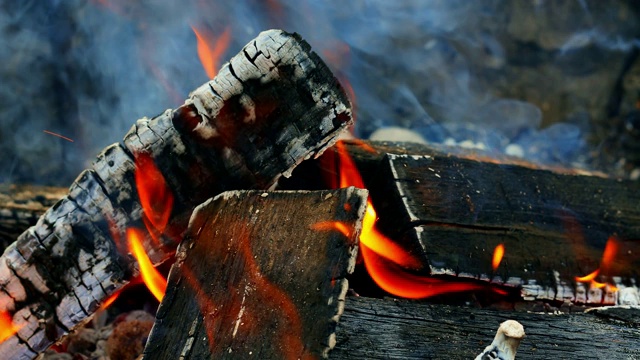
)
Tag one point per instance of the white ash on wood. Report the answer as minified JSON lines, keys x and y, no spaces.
{"x":260,"y":274}
{"x":272,"y":106}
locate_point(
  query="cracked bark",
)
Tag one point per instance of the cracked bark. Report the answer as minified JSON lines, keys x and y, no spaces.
{"x":272,"y":106}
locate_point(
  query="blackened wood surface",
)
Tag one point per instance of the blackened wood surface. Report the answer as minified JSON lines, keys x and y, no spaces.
{"x":273,"y":105}
{"x":260,"y":275}
{"x":21,"y":206}
{"x":399,"y":329}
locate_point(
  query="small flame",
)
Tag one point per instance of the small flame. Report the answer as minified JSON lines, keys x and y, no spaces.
{"x":210,"y":50}
{"x":155,"y":197}
{"x":386,"y":262}
{"x":156,"y":283}
{"x":333,"y":225}
{"x":610,"y":250}
{"x":110,"y":300}
{"x":7,"y":328}
{"x":498,"y":253}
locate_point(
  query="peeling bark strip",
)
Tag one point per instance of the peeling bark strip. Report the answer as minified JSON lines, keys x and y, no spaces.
{"x":273,"y":105}
{"x":260,"y":275}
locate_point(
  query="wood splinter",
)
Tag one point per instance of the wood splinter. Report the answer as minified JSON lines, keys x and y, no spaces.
{"x":506,"y":342}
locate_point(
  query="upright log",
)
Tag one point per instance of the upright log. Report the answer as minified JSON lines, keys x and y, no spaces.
{"x":272,"y":106}
{"x":260,"y":275}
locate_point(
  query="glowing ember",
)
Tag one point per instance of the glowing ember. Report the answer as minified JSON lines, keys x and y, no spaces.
{"x":498,"y":253}
{"x":210,"y":50}
{"x":155,"y":197}
{"x":156,"y":283}
{"x":7,"y":328}
{"x":58,"y":135}
{"x":610,"y":250}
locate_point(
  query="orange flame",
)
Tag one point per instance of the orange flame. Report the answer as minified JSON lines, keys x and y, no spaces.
{"x":333,"y":225}
{"x":156,"y":283}
{"x":386,"y":261}
{"x":7,"y":328}
{"x":498,"y":253}
{"x":394,"y":280}
{"x":610,"y":250}
{"x":155,"y":197}
{"x":110,"y":300}
{"x":210,"y":50}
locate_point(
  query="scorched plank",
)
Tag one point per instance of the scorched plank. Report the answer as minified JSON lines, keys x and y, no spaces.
{"x":260,"y":275}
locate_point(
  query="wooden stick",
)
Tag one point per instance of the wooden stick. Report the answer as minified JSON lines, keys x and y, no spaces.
{"x":272,"y":106}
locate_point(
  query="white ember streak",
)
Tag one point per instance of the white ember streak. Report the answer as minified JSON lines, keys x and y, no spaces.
{"x":506,"y":342}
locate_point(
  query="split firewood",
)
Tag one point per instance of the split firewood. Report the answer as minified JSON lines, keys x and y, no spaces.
{"x":272,"y":106}
{"x":454,"y":210}
{"x":260,"y":274}
{"x":21,"y":206}
{"x":414,"y":330}
{"x":506,"y":342}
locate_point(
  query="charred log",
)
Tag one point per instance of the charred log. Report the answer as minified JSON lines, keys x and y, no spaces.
{"x":273,"y":105}
{"x":260,"y":274}
{"x":411,"y":330}
{"x":452,"y":209}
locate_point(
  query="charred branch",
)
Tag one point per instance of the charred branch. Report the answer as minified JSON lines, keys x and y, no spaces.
{"x":272,"y":106}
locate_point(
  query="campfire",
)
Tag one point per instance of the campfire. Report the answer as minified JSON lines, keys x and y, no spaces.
{"x":251,"y":221}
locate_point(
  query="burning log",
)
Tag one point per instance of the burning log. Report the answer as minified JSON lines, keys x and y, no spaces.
{"x":412,"y":330}
{"x":260,"y":274}
{"x":454,"y":210}
{"x":273,"y":105}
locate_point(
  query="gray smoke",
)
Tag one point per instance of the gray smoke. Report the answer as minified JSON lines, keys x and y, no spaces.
{"x":537,"y":75}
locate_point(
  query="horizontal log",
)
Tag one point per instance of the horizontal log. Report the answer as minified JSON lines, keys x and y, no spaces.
{"x":260,"y":274}
{"x":400,"y":329}
{"x":453,"y":208}
{"x":21,"y":206}
{"x":272,"y":106}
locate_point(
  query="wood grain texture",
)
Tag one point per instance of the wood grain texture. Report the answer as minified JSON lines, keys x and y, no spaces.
{"x":260,"y":274}
{"x":400,"y":329}
{"x":272,"y":106}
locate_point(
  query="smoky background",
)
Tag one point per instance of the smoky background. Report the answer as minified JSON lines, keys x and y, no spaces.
{"x":554,"y":82}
